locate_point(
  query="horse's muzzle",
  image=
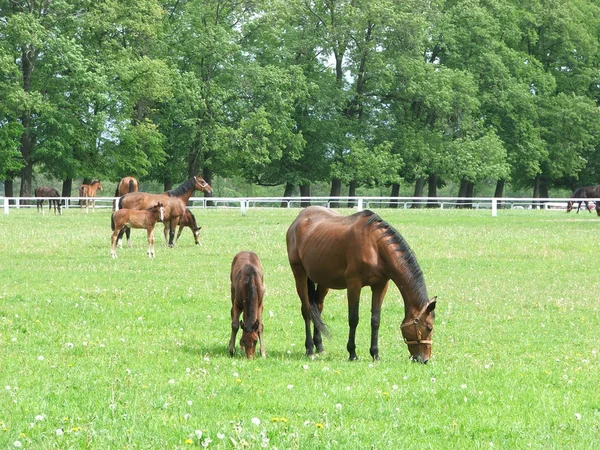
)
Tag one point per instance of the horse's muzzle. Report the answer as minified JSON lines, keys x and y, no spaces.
{"x":419,"y":359}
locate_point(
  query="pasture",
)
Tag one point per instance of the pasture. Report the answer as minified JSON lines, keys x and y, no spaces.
{"x":133,"y":352}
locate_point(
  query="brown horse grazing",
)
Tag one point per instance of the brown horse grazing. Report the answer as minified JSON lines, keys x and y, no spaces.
{"x":89,"y":191}
{"x":45,"y":191}
{"x":584,"y":192}
{"x":174,"y":201}
{"x":247,"y":292}
{"x":187,"y":220}
{"x":126,"y":185}
{"x":337,"y":252}
{"x":127,"y":218}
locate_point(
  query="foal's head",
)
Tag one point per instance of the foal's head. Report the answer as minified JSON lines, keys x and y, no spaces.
{"x":417,"y":333}
{"x":159,"y":212}
{"x":249,"y":338}
{"x":193,"y":225}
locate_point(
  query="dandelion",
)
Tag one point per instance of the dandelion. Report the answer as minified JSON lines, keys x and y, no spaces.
{"x":198,"y":434}
{"x":206,"y":442}
{"x":188,"y":370}
{"x":319,"y":425}
{"x":395,"y":387}
{"x":433,"y":379}
{"x":256,"y":421}
{"x":7,"y":387}
{"x":305,"y":366}
{"x":190,"y":403}
{"x":39,"y":418}
{"x":577,"y":416}
{"x":171,"y":381}
{"x":17,"y":444}
{"x":40,"y":358}
{"x":463,"y":386}
{"x":189,"y":441}
{"x":338,"y":406}
{"x":59,"y":432}
{"x":290,"y":386}
{"x":69,"y":345}
{"x":220,"y":436}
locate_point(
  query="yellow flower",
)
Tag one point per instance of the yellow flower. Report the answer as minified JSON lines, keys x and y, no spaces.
{"x":319,"y":425}
{"x":189,"y":441}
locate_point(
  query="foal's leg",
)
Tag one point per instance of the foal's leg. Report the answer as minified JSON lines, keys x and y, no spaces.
{"x":151,"y":242}
{"x":260,"y":333}
{"x":235,"y":321}
{"x":113,"y":242}
{"x":353,"y":304}
{"x":378,"y":293}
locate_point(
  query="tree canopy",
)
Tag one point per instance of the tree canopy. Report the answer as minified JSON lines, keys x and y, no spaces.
{"x":293,"y":92}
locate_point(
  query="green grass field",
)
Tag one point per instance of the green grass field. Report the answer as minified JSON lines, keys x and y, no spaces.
{"x":132,"y":353}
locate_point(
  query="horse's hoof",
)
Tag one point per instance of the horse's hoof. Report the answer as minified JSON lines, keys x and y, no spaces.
{"x":353,"y":358}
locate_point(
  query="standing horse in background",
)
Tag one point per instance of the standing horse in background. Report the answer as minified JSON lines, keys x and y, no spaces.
{"x":46,"y":191}
{"x":331,"y":251}
{"x":174,"y":201}
{"x":584,"y":192}
{"x":247,"y":292}
{"x":187,"y":220}
{"x":126,"y":185}
{"x":88,"y":191}
{"x":127,"y":218}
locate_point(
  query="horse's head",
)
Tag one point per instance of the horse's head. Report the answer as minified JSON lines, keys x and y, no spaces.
{"x":160,"y":210}
{"x":249,"y":338}
{"x":417,"y":333}
{"x":202,"y":185}
{"x":569,"y":206}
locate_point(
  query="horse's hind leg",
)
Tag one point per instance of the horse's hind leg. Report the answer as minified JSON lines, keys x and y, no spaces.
{"x":378,"y":293}
{"x":317,"y":337}
{"x":302,"y":290}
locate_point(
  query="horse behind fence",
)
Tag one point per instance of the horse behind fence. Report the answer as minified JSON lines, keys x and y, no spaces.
{"x":46,"y":191}
{"x":584,"y":192}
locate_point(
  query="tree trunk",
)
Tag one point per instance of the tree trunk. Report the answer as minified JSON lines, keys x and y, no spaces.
{"x":336,"y":189}
{"x":419,"y":186}
{"x":499,"y":193}
{"x":28,"y":55}
{"x":207,"y":175}
{"x":304,"y":193}
{"x":432,"y":190}
{"x":395,"y":193}
{"x":462,"y":193}
{"x":352,"y":193}
{"x":287,"y":193}
{"x":8,"y":190}
{"x":167,"y":184}
{"x":67,"y":187}
{"x":469,"y":195}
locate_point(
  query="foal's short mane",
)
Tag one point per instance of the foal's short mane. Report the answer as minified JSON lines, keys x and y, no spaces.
{"x":404,"y":254}
{"x":179,"y":191}
{"x":194,"y":224}
{"x":250,"y":274}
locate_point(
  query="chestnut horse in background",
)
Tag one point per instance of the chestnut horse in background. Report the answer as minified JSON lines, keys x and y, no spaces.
{"x":584,"y":192}
{"x":46,"y":191}
{"x":332,"y":251}
{"x":89,"y":191}
{"x":174,"y":201}
{"x":128,"y":218}
{"x":126,"y":185}
{"x":187,"y":220}
{"x":247,"y":293}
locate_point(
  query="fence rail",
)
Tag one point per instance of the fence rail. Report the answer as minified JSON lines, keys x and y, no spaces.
{"x":359,"y":203}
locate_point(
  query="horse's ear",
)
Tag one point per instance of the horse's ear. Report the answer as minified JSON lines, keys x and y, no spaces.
{"x":431,"y":305}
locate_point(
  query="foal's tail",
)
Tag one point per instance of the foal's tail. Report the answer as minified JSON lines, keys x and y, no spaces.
{"x":315,"y":314}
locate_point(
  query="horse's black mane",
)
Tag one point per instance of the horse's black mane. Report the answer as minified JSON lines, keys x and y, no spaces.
{"x":405,"y":254}
{"x":179,"y":191}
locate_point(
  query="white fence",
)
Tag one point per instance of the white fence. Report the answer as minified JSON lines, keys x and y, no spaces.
{"x":359,"y":203}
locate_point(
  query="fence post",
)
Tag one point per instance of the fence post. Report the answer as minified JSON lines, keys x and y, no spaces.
{"x":494,"y":207}
{"x":6,"y":208}
{"x":243,"y":206}
{"x":359,"y":205}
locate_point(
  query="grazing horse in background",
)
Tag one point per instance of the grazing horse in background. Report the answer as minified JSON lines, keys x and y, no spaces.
{"x":46,"y":191}
{"x":584,"y":192}
{"x":187,"y":220}
{"x":126,"y":185}
{"x":89,"y":191}
{"x":247,"y":292}
{"x":128,"y":218}
{"x":174,"y":201}
{"x":332,"y":251}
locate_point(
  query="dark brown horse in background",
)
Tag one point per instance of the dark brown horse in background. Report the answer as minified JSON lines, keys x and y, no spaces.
{"x":584,"y":192}
{"x":128,"y":218}
{"x":187,"y":220}
{"x":247,"y":293}
{"x":46,"y":191}
{"x":174,"y":201}
{"x":88,"y":191}
{"x":126,"y":185}
{"x":332,"y":251}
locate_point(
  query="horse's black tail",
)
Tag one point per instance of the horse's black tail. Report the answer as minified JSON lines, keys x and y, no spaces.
{"x":315,"y":314}
{"x":112,"y":221}
{"x":121,"y":202}
{"x":117,"y":191}
{"x":131,"y":185}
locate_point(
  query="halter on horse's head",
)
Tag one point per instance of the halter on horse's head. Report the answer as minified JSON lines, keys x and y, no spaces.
{"x":417,"y":333}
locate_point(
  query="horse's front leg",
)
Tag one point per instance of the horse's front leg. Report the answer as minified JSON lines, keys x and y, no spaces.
{"x":113,"y":243}
{"x":353,"y":304}
{"x":166,"y":231}
{"x":235,"y":322}
{"x":378,"y":294}
{"x":151,"y":242}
